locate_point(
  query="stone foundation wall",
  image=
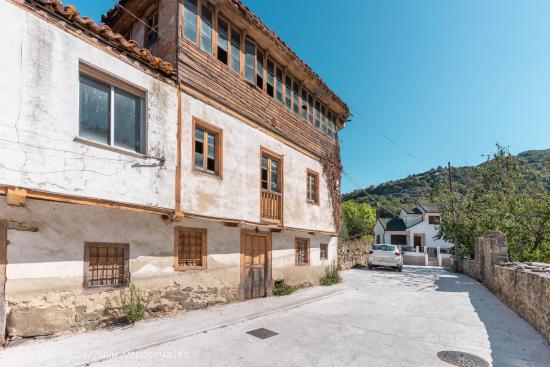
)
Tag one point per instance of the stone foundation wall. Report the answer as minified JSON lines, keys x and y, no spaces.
{"x":352,"y":254}
{"x":58,"y":312}
{"x":524,"y":287}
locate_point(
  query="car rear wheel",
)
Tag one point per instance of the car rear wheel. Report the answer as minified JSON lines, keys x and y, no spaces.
{"x":400,"y":269}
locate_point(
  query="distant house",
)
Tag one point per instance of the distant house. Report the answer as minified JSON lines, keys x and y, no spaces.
{"x":414,"y":231}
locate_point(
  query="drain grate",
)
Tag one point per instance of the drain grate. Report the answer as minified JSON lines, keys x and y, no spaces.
{"x":262,"y":333}
{"x":462,"y":359}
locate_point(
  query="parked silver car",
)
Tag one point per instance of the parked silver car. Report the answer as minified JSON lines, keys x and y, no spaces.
{"x":385,"y":255}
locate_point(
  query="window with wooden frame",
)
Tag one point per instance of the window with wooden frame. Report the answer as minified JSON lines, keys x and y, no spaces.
{"x":111,"y":112}
{"x":279,"y":75}
{"x":271,"y":196}
{"x":106,"y":264}
{"x":152,"y":29}
{"x":323,"y":251}
{"x":189,"y":249}
{"x":207,"y":147}
{"x":329,"y":123}
{"x":270,"y":82}
{"x":312,"y":187}
{"x":235,"y":51}
{"x":288,"y":92}
{"x":303,"y":110}
{"x":271,"y":177}
{"x":323,"y":120}
{"x":434,"y":219}
{"x":206,"y":28}
{"x":317,"y":114}
{"x":302,"y":251}
{"x":249,"y":60}
{"x":259,"y":68}
{"x":310,"y":109}
{"x":295,"y":97}
{"x":223,"y":41}
{"x":190,"y":20}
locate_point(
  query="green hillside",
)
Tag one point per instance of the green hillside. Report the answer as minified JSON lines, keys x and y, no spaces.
{"x":419,"y":187}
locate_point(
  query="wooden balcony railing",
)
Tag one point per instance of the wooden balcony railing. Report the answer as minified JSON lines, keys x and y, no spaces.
{"x":271,"y":205}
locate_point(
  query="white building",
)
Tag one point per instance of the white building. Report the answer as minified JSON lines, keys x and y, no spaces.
{"x":200,"y":180}
{"x":415,"y":231}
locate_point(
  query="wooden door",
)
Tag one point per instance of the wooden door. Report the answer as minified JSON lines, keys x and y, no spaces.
{"x":255,"y":264}
{"x":417,"y":241}
{"x":3,"y":262}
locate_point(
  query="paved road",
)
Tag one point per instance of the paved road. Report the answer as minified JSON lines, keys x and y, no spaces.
{"x":374,"y":318}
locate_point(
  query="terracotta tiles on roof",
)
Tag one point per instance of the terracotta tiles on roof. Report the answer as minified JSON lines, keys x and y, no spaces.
{"x":72,"y":15}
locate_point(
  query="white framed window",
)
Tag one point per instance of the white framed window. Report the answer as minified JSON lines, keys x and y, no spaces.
{"x":111,"y":112}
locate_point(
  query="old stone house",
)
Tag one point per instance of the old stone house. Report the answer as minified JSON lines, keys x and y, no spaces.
{"x":198,"y":160}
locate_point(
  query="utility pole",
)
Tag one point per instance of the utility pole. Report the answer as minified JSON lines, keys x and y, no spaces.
{"x":454,"y":217}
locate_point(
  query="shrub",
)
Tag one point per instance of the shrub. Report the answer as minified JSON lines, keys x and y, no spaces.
{"x":281,"y":288}
{"x":134,"y":303}
{"x":331,"y":275}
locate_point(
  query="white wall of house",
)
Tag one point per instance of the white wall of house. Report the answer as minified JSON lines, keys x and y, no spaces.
{"x":52,"y":259}
{"x":237,"y":194}
{"x":422,"y":228}
{"x":39,"y":118}
{"x":430,"y":231}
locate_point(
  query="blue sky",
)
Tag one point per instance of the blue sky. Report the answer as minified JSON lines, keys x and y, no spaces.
{"x":445,"y":80}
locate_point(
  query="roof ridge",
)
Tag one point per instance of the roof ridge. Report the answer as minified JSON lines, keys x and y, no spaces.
{"x":71,"y":14}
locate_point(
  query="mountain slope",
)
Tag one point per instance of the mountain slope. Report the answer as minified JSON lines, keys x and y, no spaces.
{"x":419,"y":187}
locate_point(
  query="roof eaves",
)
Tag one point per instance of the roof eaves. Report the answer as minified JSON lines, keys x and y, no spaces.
{"x":70,"y":14}
{"x":253,"y":18}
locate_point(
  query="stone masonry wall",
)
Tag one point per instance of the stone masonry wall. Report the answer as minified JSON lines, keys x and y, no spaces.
{"x":352,"y":254}
{"x":524,"y":287}
{"x":59,"y":312}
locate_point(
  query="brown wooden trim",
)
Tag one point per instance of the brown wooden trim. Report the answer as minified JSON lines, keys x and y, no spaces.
{"x":296,"y":240}
{"x":204,"y":251}
{"x":214,"y":130}
{"x":310,"y":172}
{"x":71,"y":199}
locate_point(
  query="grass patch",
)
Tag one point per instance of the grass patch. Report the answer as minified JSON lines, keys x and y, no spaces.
{"x":281,"y":288}
{"x":134,"y":303}
{"x":331,"y":275}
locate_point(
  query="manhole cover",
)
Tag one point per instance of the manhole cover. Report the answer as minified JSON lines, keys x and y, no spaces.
{"x":462,"y":359}
{"x":262,"y":333}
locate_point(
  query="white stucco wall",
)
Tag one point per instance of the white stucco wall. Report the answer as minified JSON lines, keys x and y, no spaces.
{"x":430,"y":232}
{"x":237,"y":195}
{"x":40,"y":114}
{"x":52,"y":259}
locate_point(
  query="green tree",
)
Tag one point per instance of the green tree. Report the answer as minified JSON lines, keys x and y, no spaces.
{"x":358,"y":220}
{"x":504,"y":198}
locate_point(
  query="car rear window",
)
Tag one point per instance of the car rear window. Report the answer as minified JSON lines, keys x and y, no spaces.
{"x":385,"y":247}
